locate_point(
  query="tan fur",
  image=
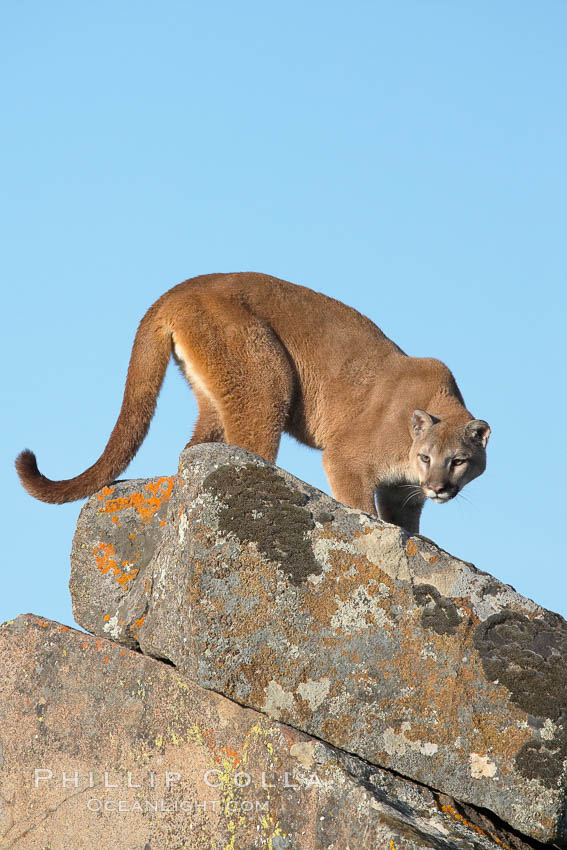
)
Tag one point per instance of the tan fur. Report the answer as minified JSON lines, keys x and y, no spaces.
{"x":265,"y":356}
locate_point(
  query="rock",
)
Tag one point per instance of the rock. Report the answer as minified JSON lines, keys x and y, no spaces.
{"x":259,"y":587}
{"x":102,"y":747}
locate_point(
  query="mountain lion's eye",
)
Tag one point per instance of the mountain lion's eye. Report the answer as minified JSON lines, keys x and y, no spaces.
{"x":424,"y":458}
{"x":458,"y":461}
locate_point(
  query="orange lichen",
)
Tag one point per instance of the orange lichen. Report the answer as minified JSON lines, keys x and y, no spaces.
{"x":231,"y":754}
{"x":411,"y":548}
{"x":104,"y":493}
{"x":139,"y":622}
{"x":220,"y":753}
{"x":147,"y":504}
{"x":106,"y":561}
{"x":451,"y":811}
{"x":223,"y":753}
{"x":106,"y":618}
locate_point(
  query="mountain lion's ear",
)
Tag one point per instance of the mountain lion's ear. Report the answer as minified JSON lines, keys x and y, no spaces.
{"x":478,"y":430}
{"x":421,"y":422}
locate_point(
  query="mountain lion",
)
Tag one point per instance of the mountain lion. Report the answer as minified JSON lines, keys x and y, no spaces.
{"x":265,"y":356}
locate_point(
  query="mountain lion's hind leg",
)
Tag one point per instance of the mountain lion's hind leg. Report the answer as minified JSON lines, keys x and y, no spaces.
{"x":242,"y":378}
{"x":208,"y":427}
{"x":256,"y":385}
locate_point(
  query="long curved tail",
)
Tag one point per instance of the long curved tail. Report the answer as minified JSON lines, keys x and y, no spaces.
{"x":148,"y":363}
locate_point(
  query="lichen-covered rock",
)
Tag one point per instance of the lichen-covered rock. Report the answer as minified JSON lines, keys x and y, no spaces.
{"x":102,"y":747}
{"x":264,"y":589}
{"x":106,"y":564}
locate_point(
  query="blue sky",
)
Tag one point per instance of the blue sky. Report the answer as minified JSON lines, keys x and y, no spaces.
{"x":407,"y":158}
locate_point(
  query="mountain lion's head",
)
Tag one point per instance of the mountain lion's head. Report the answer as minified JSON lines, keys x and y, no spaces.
{"x":444,"y":456}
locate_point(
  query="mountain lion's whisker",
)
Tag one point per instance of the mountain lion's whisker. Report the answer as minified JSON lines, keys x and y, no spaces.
{"x":410,"y":497}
